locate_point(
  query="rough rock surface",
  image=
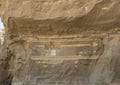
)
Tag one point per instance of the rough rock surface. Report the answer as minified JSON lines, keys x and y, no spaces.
{"x":107,"y":67}
{"x":60,"y":42}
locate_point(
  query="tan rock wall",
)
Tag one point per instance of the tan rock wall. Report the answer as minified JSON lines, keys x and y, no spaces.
{"x":29,"y":20}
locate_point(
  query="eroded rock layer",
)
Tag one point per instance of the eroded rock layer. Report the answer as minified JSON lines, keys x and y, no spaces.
{"x":60,"y":42}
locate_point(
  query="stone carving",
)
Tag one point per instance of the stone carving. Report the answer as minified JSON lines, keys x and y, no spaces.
{"x":86,"y":47}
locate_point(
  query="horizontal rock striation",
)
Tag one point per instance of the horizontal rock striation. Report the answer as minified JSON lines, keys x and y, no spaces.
{"x":60,"y":42}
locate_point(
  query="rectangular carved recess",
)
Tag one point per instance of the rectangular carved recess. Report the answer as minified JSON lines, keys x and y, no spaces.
{"x":53,"y":53}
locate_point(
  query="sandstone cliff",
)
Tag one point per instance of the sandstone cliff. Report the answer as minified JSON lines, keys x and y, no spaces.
{"x":60,"y":42}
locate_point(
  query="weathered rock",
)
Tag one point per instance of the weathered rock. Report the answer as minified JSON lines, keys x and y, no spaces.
{"x":60,"y":42}
{"x":63,"y":17}
{"x":107,"y":67}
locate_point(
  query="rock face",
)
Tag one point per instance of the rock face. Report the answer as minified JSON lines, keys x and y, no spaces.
{"x":107,"y":67}
{"x":60,"y":42}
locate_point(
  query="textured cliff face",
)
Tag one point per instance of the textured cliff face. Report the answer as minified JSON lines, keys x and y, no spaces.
{"x":107,"y":67}
{"x":48,"y":9}
{"x":60,"y":42}
{"x":72,"y":15}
